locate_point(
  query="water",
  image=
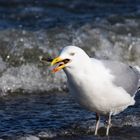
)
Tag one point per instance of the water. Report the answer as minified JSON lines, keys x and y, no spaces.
{"x":34,"y":101}
{"x":57,"y":115}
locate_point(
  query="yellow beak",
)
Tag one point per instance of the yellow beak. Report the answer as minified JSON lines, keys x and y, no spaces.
{"x":60,"y":63}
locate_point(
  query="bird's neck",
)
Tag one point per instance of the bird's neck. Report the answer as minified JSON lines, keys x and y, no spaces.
{"x":93,"y":67}
{"x":87,"y":65}
{"x":84,"y":68}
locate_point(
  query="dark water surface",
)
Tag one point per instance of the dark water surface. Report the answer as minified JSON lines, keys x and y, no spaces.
{"x":57,"y":116}
{"x":37,"y":14}
{"x":33,"y":101}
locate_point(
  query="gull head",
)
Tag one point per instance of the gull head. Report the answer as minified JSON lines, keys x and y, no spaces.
{"x":70,"y":57}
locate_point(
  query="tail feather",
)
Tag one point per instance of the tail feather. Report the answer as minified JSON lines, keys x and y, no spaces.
{"x":137,"y":68}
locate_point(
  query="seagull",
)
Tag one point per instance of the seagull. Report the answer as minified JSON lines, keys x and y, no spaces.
{"x":103,"y":86}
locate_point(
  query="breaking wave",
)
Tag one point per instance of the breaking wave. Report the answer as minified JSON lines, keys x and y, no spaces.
{"x":21,"y":50}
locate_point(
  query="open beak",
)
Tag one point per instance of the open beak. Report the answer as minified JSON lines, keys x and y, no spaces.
{"x":60,"y":63}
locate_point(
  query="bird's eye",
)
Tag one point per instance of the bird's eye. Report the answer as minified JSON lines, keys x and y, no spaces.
{"x":72,"y":53}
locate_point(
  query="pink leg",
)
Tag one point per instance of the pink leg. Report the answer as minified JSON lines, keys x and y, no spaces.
{"x":108,"y":124}
{"x":97,"y":123}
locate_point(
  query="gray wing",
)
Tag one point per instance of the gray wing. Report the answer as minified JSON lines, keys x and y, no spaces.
{"x":125,"y":76}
